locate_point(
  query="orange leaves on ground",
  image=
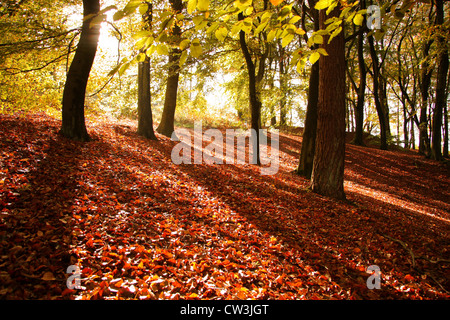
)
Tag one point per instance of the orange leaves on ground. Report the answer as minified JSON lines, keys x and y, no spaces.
{"x":141,"y":227}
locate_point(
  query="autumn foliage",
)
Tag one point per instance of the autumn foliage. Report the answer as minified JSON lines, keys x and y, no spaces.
{"x":141,"y":227}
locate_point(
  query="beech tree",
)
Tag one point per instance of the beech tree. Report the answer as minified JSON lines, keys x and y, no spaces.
{"x":328,"y":170}
{"x":441,"y":83}
{"x":166,"y":126}
{"x":145,"y":116}
{"x":306,"y":161}
{"x":73,"y":122}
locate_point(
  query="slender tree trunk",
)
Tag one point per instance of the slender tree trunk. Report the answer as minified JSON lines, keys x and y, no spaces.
{"x":73,"y":121}
{"x":445,"y":152}
{"x":328,"y":169}
{"x":405,"y":124}
{"x":306,"y":161}
{"x":378,"y":96}
{"x":253,"y":82}
{"x":441,"y":86}
{"x":145,"y":117}
{"x":166,"y":126}
{"x":283,"y":86}
{"x":359,"y":109}
{"x":426,"y":73}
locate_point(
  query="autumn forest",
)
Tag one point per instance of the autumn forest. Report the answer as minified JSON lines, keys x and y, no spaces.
{"x":224,"y":150}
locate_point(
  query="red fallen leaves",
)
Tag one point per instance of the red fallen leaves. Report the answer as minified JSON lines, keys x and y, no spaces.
{"x":140,"y":227}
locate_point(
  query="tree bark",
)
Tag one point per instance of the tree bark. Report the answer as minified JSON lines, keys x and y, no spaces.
{"x":306,"y":161}
{"x":166,"y":126}
{"x":441,"y":86}
{"x":379,"y":98}
{"x":253,"y":82}
{"x":73,"y":120}
{"x":328,"y":169}
{"x":145,"y":116}
{"x":359,"y":109}
{"x":425,"y":78}
{"x":283,"y":86}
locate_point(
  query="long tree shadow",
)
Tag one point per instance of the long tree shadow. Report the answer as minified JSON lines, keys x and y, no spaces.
{"x":42,"y":182}
{"x":304,"y":220}
{"x":404,"y":175}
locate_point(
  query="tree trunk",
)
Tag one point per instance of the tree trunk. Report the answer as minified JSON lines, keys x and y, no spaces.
{"x":255,"y":103}
{"x":378,"y":97}
{"x":166,"y":126}
{"x":426,"y":73}
{"x":306,"y":162}
{"x":441,"y":86}
{"x":328,"y":169}
{"x":359,"y":109}
{"x":145,"y":117}
{"x":283,"y":86}
{"x":73,"y":122}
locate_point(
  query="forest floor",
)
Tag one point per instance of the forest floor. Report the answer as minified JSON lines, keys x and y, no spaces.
{"x":141,"y":227}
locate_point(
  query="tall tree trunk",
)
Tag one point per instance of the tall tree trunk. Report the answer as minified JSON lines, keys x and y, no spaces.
{"x":441,"y":86}
{"x":145,"y":117}
{"x":328,"y":169}
{"x":445,"y":152}
{"x":359,"y":109}
{"x":283,"y":85}
{"x":425,"y":78}
{"x":378,"y":96}
{"x":306,"y":161}
{"x":73,"y":121}
{"x":253,"y":82}
{"x":166,"y":126}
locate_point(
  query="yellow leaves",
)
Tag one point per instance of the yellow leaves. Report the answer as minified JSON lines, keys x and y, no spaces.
{"x":202,"y":5}
{"x":221,"y":33}
{"x":314,"y":57}
{"x":162,"y":49}
{"x":196,"y":48}
{"x":184,"y":44}
{"x":276,"y":2}
{"x":358,"y":19}
{"x":287,"y":39}
{"x":192,"y":4}
{"x":323,"y":4}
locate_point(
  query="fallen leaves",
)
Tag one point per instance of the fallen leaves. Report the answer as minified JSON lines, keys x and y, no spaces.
{"x":141,"y":227}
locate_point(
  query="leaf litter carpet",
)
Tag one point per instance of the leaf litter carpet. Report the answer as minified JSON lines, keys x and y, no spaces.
{"x":141,"y":227}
